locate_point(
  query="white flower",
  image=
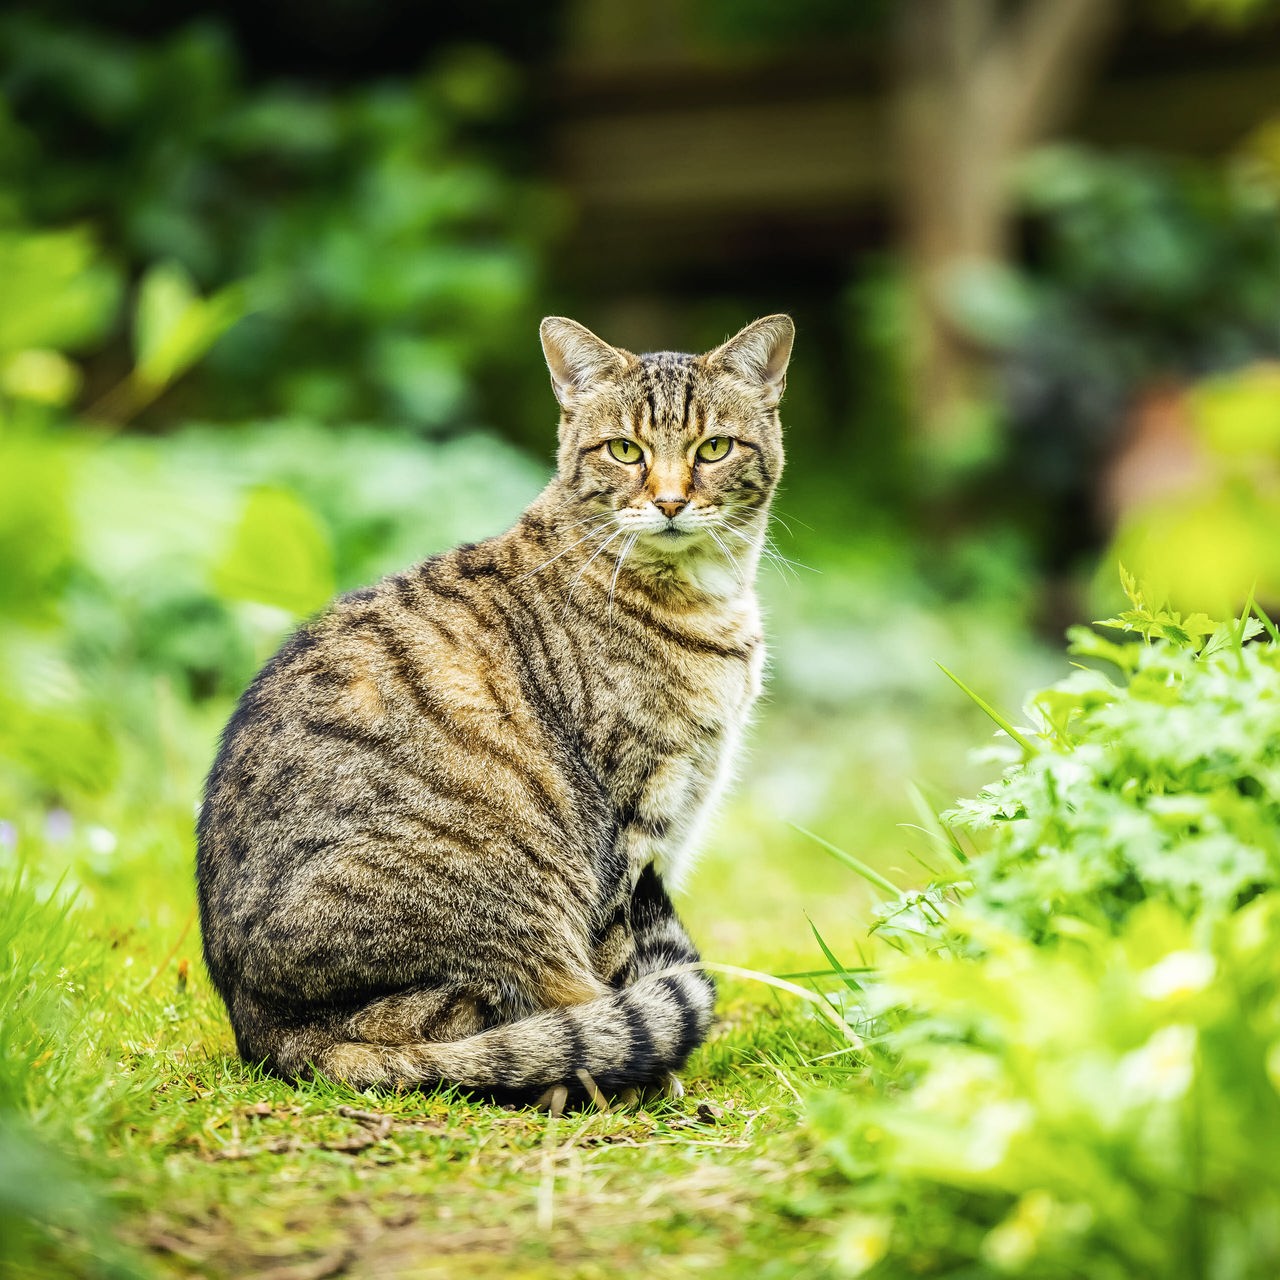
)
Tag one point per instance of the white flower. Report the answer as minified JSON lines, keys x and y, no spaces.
{"x":994,"y":1127}
{"x":1163,"y":1068}
{"x":101,"y":840}
{"x":862,"y":1241}
{"x":1179,"y":974}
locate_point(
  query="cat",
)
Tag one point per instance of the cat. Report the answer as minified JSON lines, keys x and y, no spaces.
{"x":436,"y":840}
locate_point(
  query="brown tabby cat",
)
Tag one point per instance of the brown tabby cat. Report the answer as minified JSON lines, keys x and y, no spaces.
{"x":434,"y":843}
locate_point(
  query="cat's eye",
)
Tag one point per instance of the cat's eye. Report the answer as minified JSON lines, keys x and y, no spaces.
{"x":714,"y":449}
{"x":624,"y":450}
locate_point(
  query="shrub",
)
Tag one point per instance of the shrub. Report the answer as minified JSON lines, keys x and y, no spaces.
{"x":389,"y":262}
{"x":1073,"y":1068}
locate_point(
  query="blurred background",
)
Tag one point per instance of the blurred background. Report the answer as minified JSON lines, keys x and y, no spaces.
{"x":270,"y":277}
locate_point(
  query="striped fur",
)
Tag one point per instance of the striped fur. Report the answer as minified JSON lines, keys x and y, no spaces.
{"x":434,"y":842}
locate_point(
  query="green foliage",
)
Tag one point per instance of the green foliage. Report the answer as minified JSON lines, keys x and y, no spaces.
{"x":52,"y":1221}
{"x":1162,"y":787}
{"x":1141,"y":272}
{"x":387,"y":262}
{"x":1102,"y":1108}
{"x":174,"y":326}
{"x":1210,"y":538}
{"x":1072,"y":1067}
{"x":185,"y":559}
{"x":58,"y":291}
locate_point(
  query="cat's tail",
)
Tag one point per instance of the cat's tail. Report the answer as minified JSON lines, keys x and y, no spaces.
{"x":624,"y":1039}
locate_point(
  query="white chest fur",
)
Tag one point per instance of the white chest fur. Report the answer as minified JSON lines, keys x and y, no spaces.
{"x":682,"y":793}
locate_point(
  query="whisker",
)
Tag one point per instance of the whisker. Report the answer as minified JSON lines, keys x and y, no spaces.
{"x":769,"y":548}
{"x":595,"y":515}
{"x":617,"y":568}
{"x":585,"y":537}
{"x":568,"y":600}
{"x":777,"y":515}
{"x":771,"y":553}
{"x":733,"y":564}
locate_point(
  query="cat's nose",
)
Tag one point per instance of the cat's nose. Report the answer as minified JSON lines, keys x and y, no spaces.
{"x":671,"y":507}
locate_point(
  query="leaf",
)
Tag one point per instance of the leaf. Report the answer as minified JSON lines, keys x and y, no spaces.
{"x":1129,"y":584}
{"x":279,"y":555}
{"x":174,"y":326}
{"x":55,"y":291}
{"x":1085,"y":642}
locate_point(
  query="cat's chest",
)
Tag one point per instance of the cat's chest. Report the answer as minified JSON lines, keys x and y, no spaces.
{"x":680,"y":696}
{"x":669,"y":739}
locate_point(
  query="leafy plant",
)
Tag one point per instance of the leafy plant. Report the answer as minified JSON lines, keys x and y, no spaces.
{"x":1072,"y":1067}
{"x":1165,"y":786}
{"x":1210,"y":537}
{"x":388,"y":262}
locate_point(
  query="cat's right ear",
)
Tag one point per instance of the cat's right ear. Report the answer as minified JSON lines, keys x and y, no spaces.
{"x":576,"y":357}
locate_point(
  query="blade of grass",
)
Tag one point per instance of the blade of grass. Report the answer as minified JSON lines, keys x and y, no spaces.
{"x":769,"y":980}
{"x":911,"y":853}
{"x":810,"y":974}
{"x":869,"y":874}
{"x":983,"y":705}
{"x":836,"y":966}
{"x":933,"y":823}
{"x":1237,"y":631}
{"x":1272,"y":630}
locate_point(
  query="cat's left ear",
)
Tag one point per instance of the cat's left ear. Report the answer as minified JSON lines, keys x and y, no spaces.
{"x":759,"y":355}
{"x":576,"y":357}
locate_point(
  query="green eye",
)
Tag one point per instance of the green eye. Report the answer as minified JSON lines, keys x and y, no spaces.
{"x":624,"y":450}
{"x":714,"y":449}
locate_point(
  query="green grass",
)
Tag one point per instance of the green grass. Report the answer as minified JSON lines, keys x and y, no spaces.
{"x":207,"y":1166}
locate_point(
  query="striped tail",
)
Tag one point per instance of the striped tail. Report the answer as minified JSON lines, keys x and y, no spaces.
{"x":628,"y":1038}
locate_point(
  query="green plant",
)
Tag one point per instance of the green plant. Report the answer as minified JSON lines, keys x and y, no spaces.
{"x":53,"y":1215}
{"x":1073,"y":1066}
{"x":387,"y":260}
{"x":1160,"y":787}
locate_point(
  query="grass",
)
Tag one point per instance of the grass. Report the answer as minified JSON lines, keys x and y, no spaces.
{"x":141,"y":1146}
{"x":207,"y":1166}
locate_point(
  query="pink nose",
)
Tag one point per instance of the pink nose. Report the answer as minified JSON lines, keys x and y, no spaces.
{"x":670,"y":507}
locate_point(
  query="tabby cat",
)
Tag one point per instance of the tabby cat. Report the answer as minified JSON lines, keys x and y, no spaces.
{"x":436,"y":840}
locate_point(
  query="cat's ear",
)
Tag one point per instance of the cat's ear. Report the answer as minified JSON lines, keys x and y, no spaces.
{"x":759,"y":355}
{"x":576,"y":357}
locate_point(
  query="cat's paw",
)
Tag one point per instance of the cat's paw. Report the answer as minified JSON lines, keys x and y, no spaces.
{"x":553,"y":1101}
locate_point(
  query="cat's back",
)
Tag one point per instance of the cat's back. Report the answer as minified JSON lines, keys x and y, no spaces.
{"x":402,"y":718}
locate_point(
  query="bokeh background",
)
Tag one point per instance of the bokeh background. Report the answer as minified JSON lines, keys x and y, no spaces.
{"x":269,"y":284}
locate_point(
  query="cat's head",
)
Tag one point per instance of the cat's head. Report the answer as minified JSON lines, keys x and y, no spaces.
{"x":678,"y":448}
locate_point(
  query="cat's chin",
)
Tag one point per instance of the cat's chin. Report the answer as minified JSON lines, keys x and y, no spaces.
{"x":671,"y":541}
